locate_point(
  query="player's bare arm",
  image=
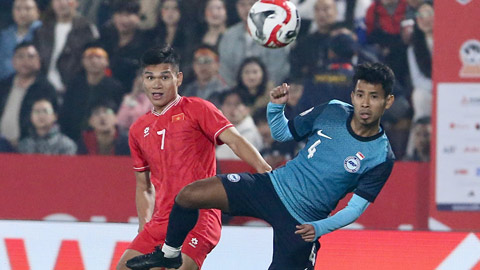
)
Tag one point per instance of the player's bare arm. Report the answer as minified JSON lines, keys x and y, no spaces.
{"x":244,"y":150}
{"x":144,"y":198}
{"x":279,"y":94}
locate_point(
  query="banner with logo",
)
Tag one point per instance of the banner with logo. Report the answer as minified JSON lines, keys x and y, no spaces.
{"x":458,"y":147}
{"x":456,"y":140}
{"x":39,"y":245}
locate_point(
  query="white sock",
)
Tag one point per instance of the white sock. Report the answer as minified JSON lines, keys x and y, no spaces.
{"x":170,"y":252}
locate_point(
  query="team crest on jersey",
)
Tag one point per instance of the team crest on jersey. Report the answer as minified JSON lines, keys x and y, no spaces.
{"x":351,"y":164}
{"x":233,"y":177}
{"x":146,"y":132}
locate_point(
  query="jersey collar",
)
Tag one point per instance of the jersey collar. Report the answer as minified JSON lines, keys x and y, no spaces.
{"x":170,"y":105}
{"x":360,"y":138}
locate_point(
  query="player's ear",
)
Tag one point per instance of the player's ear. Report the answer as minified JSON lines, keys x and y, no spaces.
{"x":179,"y":78}
{"x":389,"y":101}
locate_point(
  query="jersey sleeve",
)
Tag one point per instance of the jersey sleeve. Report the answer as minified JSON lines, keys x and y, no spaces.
{"x":139,"y":163}
{"x":211,"y":120}
{"x":371,"y":182}
{"x":302,"y":124}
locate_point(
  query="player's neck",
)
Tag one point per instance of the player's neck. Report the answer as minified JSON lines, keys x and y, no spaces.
{"x":365,"y":130}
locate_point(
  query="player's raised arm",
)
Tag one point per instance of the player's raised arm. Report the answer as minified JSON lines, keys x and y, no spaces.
{"x":244,"y":150}
{"x":279,"y":94}
{"x":276,"y":118}
{"x":144,"y":198}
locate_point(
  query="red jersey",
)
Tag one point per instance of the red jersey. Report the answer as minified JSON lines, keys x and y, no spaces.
{"x":178,"y":147}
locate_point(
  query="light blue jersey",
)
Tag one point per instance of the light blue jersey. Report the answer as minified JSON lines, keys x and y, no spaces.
{"x":334,"y":162}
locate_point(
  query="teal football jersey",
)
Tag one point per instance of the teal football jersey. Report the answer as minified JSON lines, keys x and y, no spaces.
{"x":334,"y":162}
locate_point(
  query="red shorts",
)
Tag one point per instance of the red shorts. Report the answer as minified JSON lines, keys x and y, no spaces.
{"x":199,"y":242}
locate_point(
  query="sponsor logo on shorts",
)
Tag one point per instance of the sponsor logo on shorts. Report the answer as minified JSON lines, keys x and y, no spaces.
{"x":351,"y":164}
{"x":193,"y":242}
{"x":233,"y":177}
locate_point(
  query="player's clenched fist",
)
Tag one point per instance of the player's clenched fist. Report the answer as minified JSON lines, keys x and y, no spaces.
{"x":279,"y":94}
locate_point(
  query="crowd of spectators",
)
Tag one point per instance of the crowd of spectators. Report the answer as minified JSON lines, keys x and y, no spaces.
{"x":70,"y":82}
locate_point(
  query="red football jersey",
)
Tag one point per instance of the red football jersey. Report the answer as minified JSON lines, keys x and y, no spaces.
{"x":178,"y":147}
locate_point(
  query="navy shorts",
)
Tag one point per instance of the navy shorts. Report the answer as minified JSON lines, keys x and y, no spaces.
{"x":254,"y":195}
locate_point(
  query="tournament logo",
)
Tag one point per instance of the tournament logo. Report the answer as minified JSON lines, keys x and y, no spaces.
{"x":351,"y":164}
{"x":470,"y":57}
{"x":233,"y":177}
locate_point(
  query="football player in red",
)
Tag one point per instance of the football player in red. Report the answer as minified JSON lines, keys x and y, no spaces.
{"x":172,"y":146}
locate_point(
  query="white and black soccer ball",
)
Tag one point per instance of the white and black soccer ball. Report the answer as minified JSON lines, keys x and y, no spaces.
{"x":273,"y":23}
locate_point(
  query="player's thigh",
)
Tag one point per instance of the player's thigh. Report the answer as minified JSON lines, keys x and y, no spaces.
{"x":127,"y":255}
{"x":205,"y":193}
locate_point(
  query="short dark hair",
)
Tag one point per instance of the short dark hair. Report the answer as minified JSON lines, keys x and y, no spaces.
{"x":23,"y":44}
{"x":126,"y":6}
{"x":51,"y":100}
{"x":102,"y":103}
{"x":225,"y":94}
{"x":375,"y":73}
{"x":161,"y":55}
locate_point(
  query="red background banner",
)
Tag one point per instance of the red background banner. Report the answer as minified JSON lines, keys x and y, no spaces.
{"x":37,"y":186}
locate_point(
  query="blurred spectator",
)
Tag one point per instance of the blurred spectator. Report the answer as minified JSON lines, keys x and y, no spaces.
{"x":334,"y":82}
{"x":352,"y":14}
{"x":6,"y":146}
{"x":383,"y":22}
{"x":124,"y":41}
{"x":420,"y":61}
{"x":148,"y":13}
{"x":25,"y":17}
{"x":60,"y":42}
{"x":364,"y":52}
{"x":103,"y":137}
{"x":207,"y":84}
{"x":5,"y":13}
{"x":412,"y":7}
{"x":90,"y":9}
{"x":310,"y":52}
{"x":421,"y":132}
{"x":408,"y":23}
{"x":253,"y":83}
{"x":172,"y":30}
{"x":18,"y":92}
{"x":234,"y":108}
{"x":45,"y":136}
{"x":134,"y":105}
{"x":274,"y":152}
{"x":215,"y":22}
{"x":237,"y":44}
{"x":89,"y":87}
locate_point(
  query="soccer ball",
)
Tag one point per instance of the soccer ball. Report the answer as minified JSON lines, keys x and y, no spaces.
{"x":273,"y":23}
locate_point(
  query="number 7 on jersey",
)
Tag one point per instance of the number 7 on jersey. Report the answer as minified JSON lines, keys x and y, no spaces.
{"x":162,"y":133}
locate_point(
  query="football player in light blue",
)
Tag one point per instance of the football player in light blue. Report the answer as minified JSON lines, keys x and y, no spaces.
{"x":346,"y":151}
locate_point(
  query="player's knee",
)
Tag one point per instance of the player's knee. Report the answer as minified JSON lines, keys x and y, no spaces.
{"x":188,"y":197}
